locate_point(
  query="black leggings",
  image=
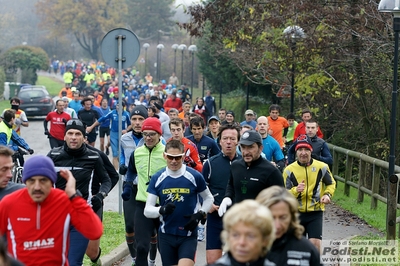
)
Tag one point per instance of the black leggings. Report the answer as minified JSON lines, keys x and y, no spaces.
{"x":54,"y":143}
{"x":129,"y":207}
{"x":146,"y":228}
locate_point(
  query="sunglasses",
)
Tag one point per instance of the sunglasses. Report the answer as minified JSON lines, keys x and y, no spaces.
{"x":175,"y":157}
{"x":75,"y":122}
{"x":149,"y":134}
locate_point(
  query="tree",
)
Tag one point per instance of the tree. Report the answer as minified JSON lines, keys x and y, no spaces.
{"x":87,"y":20}
{"x":29,"y":59}
{"x":147,"y":17}
{"x":343,"y":67}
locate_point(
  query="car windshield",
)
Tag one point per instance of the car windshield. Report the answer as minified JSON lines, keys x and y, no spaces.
{"x":31,"y":94}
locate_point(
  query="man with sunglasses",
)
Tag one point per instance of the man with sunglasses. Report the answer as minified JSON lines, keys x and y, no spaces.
{"x":83,"y":163}
{"x":177,"y":187}
{"x":144,"y":162}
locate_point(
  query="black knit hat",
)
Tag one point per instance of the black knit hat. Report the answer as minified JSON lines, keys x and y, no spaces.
{"x":76,"y":124}
{"x":140,"y":110}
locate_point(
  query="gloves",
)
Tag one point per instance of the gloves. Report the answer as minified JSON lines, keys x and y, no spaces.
{"x":64,"y":121}
{"x":226,"y":202}
{"x":17,"y":121}
{"x":123,"y":169}
{"x":189,"y":161}
{"x":126,"y":194}
{"x":167,"y":209}
{"x":203,"y":221}
{"x":47,"y":133}
{"x":194,"y":221}
{"x":31,"y":151}
{"x":97,"y":202}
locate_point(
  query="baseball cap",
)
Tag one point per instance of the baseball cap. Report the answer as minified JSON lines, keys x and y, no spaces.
{"x":212,"y":118}
{"x":249,"y":112}
{"x":249,"y":137}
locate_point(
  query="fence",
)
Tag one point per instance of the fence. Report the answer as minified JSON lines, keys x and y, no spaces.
{"x":369,"y":176}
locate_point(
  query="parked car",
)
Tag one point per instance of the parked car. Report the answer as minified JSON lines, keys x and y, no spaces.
{"x":35,"y":100}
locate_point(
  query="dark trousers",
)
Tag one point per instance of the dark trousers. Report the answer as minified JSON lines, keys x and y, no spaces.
{"x":55,"y":142}
{"x":145,"y":228}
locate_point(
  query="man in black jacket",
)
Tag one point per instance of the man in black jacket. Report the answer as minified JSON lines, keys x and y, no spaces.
{"x":83,"y":163}
{"x":251,"y":174}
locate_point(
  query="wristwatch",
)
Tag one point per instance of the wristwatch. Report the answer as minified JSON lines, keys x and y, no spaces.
{"x":103,"y":194}
{"x":77,"y":194}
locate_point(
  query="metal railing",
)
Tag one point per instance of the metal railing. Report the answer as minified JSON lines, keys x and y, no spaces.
{"x":369,"y":176}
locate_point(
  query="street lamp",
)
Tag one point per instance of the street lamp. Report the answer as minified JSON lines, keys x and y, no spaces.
{"x":160,"y":47}
{"x":293,"y":34}
{"x":392,"y":6}
{"x":145,"y":46}
{"x":174,"y":47}
{"x":192,"y":48}
{"x":182,"y":47}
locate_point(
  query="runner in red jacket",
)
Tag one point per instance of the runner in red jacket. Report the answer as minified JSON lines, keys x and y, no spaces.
{"x":192,"y":159}
{"x":38,"y":229}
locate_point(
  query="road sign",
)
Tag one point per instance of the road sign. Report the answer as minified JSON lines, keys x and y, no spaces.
{"x":284,"y":91}
{"x":130,"y":47}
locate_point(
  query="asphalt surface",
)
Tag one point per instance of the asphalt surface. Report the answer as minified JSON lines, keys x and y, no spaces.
{"x":338,"y":223}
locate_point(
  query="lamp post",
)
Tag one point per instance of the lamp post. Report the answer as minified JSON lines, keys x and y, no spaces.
{"x":73,"y":51}
{"x":182,"y":47}
{"x":160,"y":47}
{"x":293,"y":34}
{"x":145,"y":46}
{"x":192,"y":49}
{"x":175,"y":47}
{"x":392,"y":6}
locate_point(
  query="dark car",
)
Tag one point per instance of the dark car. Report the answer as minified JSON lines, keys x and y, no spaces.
{"x":35,"y":100}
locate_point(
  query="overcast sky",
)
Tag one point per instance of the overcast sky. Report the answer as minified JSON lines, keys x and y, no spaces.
{"x":179,"y":16}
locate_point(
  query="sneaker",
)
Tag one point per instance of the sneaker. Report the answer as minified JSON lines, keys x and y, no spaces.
{"x":134,"y":261}
{"x":152,"y":263}
{"x":200,"y":233}
{"x":107,"y":150}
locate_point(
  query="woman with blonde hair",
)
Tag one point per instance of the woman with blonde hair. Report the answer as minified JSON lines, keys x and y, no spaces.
{"x":290,"y":245}
{"x":247,"y":235}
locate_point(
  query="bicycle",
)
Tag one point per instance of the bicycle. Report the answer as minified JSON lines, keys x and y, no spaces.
{"x":18,"y":168}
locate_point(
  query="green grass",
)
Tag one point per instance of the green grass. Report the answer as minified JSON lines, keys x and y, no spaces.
{"x":376,"y":218}
{"x":113,"y":235}
{"x":52,"y":85}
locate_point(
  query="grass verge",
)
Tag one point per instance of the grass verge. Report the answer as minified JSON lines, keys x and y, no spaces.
{"x":113,"y":235}
{"x":376,"y":218}
{"x":52,"y":85}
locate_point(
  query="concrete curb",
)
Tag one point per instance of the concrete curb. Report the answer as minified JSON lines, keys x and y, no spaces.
{"x":115,"y":255}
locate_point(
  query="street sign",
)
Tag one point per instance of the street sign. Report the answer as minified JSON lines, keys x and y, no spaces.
{"x":130,"y":47}
{"x":284,"y":91}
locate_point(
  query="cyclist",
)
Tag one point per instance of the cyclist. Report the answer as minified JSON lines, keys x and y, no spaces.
{"x":20,"y":116}
{"x":8,"y":136}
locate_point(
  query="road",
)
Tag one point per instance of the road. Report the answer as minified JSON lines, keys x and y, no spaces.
{"x":338,"y":224}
